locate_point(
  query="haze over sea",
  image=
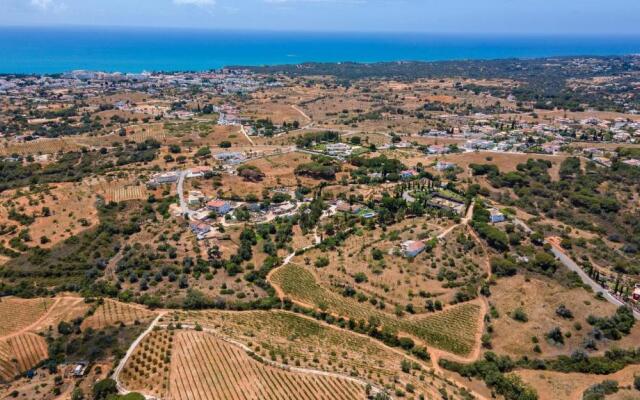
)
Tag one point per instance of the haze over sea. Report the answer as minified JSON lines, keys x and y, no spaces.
{"x":54,"y":50}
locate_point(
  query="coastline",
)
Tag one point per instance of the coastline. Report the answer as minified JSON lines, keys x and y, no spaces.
{"x":127,"y":50}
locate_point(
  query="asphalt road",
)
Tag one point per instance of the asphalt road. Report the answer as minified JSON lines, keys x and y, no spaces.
{"x":569,"y":263}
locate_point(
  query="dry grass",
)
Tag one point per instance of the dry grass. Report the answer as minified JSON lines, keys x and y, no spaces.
{"x":276,"y":112}
{"x":506,"y":162}
{"x":72,"y":211}
{"x":64,"y":309}
{"x":539,"y":298}
{"x":555,"y":385}
{"x":18,"y":313}
{"x":394,"y":279}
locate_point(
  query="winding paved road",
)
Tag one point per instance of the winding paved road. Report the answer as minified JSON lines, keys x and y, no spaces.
{"x":586,"y":279}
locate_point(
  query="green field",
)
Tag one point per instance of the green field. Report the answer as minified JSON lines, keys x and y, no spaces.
{"x":451,"y":330}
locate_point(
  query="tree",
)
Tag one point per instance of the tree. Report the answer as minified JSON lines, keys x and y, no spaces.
{"x":555,"y":335}
{"x":203,"y":152}
{"x":65,"y":328}
{"x":77,"y":394}
{"x":520,"y":315}
{"x":225,"y":144}
{"x":250,"y":173}
{"x":104,"y":388}
{"x":503,"y":267}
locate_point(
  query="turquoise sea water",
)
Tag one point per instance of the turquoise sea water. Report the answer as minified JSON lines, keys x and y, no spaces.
{"x":52,"y":50}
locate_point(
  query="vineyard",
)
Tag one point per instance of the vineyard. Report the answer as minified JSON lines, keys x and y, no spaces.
{"x":148,"y":368}
{"x":204,"y":368}
{"x":21,"y":353}
{"x":113,"y":312}
{"x":40,"y":146}
{"x":452,"y":330}
{"x":126,"y":193}
{"x":17,"y":313}
{"x":64,"y":309}
{"x":289,"y":338}
{"x":144,"y":132}
{"x":119,"y":190}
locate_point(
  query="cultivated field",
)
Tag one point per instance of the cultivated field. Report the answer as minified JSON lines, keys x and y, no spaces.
{"x":452,"y":330}
{"x":300,"y":341}
{"x":20,"y":353}
{"x":120,"y":189}
{"x":148,"y":368}
{"x":113,"y":312}
{"x":63,"y":309}
{"x":204,"y":367}
{"x":40,"y":146}
{"x":17,"y":314}
{"x":392,"y":278}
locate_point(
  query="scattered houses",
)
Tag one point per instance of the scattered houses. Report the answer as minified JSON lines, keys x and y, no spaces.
{"x":338,"y":149}
{"x":496,"y":216}
{"x":164,"y":178}
{"x":444,"y":166}
{"x":220,"y":207}
{"x":198,"y":172}
{"x":195,"y":198}
{"x":635,"y":296}
{"x":409,"y":174}
{"x":412,"y":248}
{"x":230,"y":158}
{"x":438,"y":149}
{"x":200,"y":229}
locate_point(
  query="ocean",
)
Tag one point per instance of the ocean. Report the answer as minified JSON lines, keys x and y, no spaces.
{"x":55,"y":50}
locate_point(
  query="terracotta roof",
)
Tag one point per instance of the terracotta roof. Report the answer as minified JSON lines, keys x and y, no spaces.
{"x":217,"y":203}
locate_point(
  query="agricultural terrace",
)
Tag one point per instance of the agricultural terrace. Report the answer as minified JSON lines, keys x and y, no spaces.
{"x":40,"y":146}
{"x":453,"y":330}
{"x":112,"y":312}
{"x":133,"y":133}
{"x":148,"y":368}
{"x":300,"y":341}
{"x":279,"y":171}
{"x":17,"y":314}
{"x":194,"y":134}
{"x":203,"y":368}
{"x":21,"y":353}
{"x":119,"y":189}
{"x":46,"y":215}
{"x":278,"y":113}
{"x":63,"y":309}
{"x":371,"y":262}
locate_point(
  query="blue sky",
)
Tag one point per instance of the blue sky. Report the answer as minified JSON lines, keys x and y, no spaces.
{"x":439,"y":16}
